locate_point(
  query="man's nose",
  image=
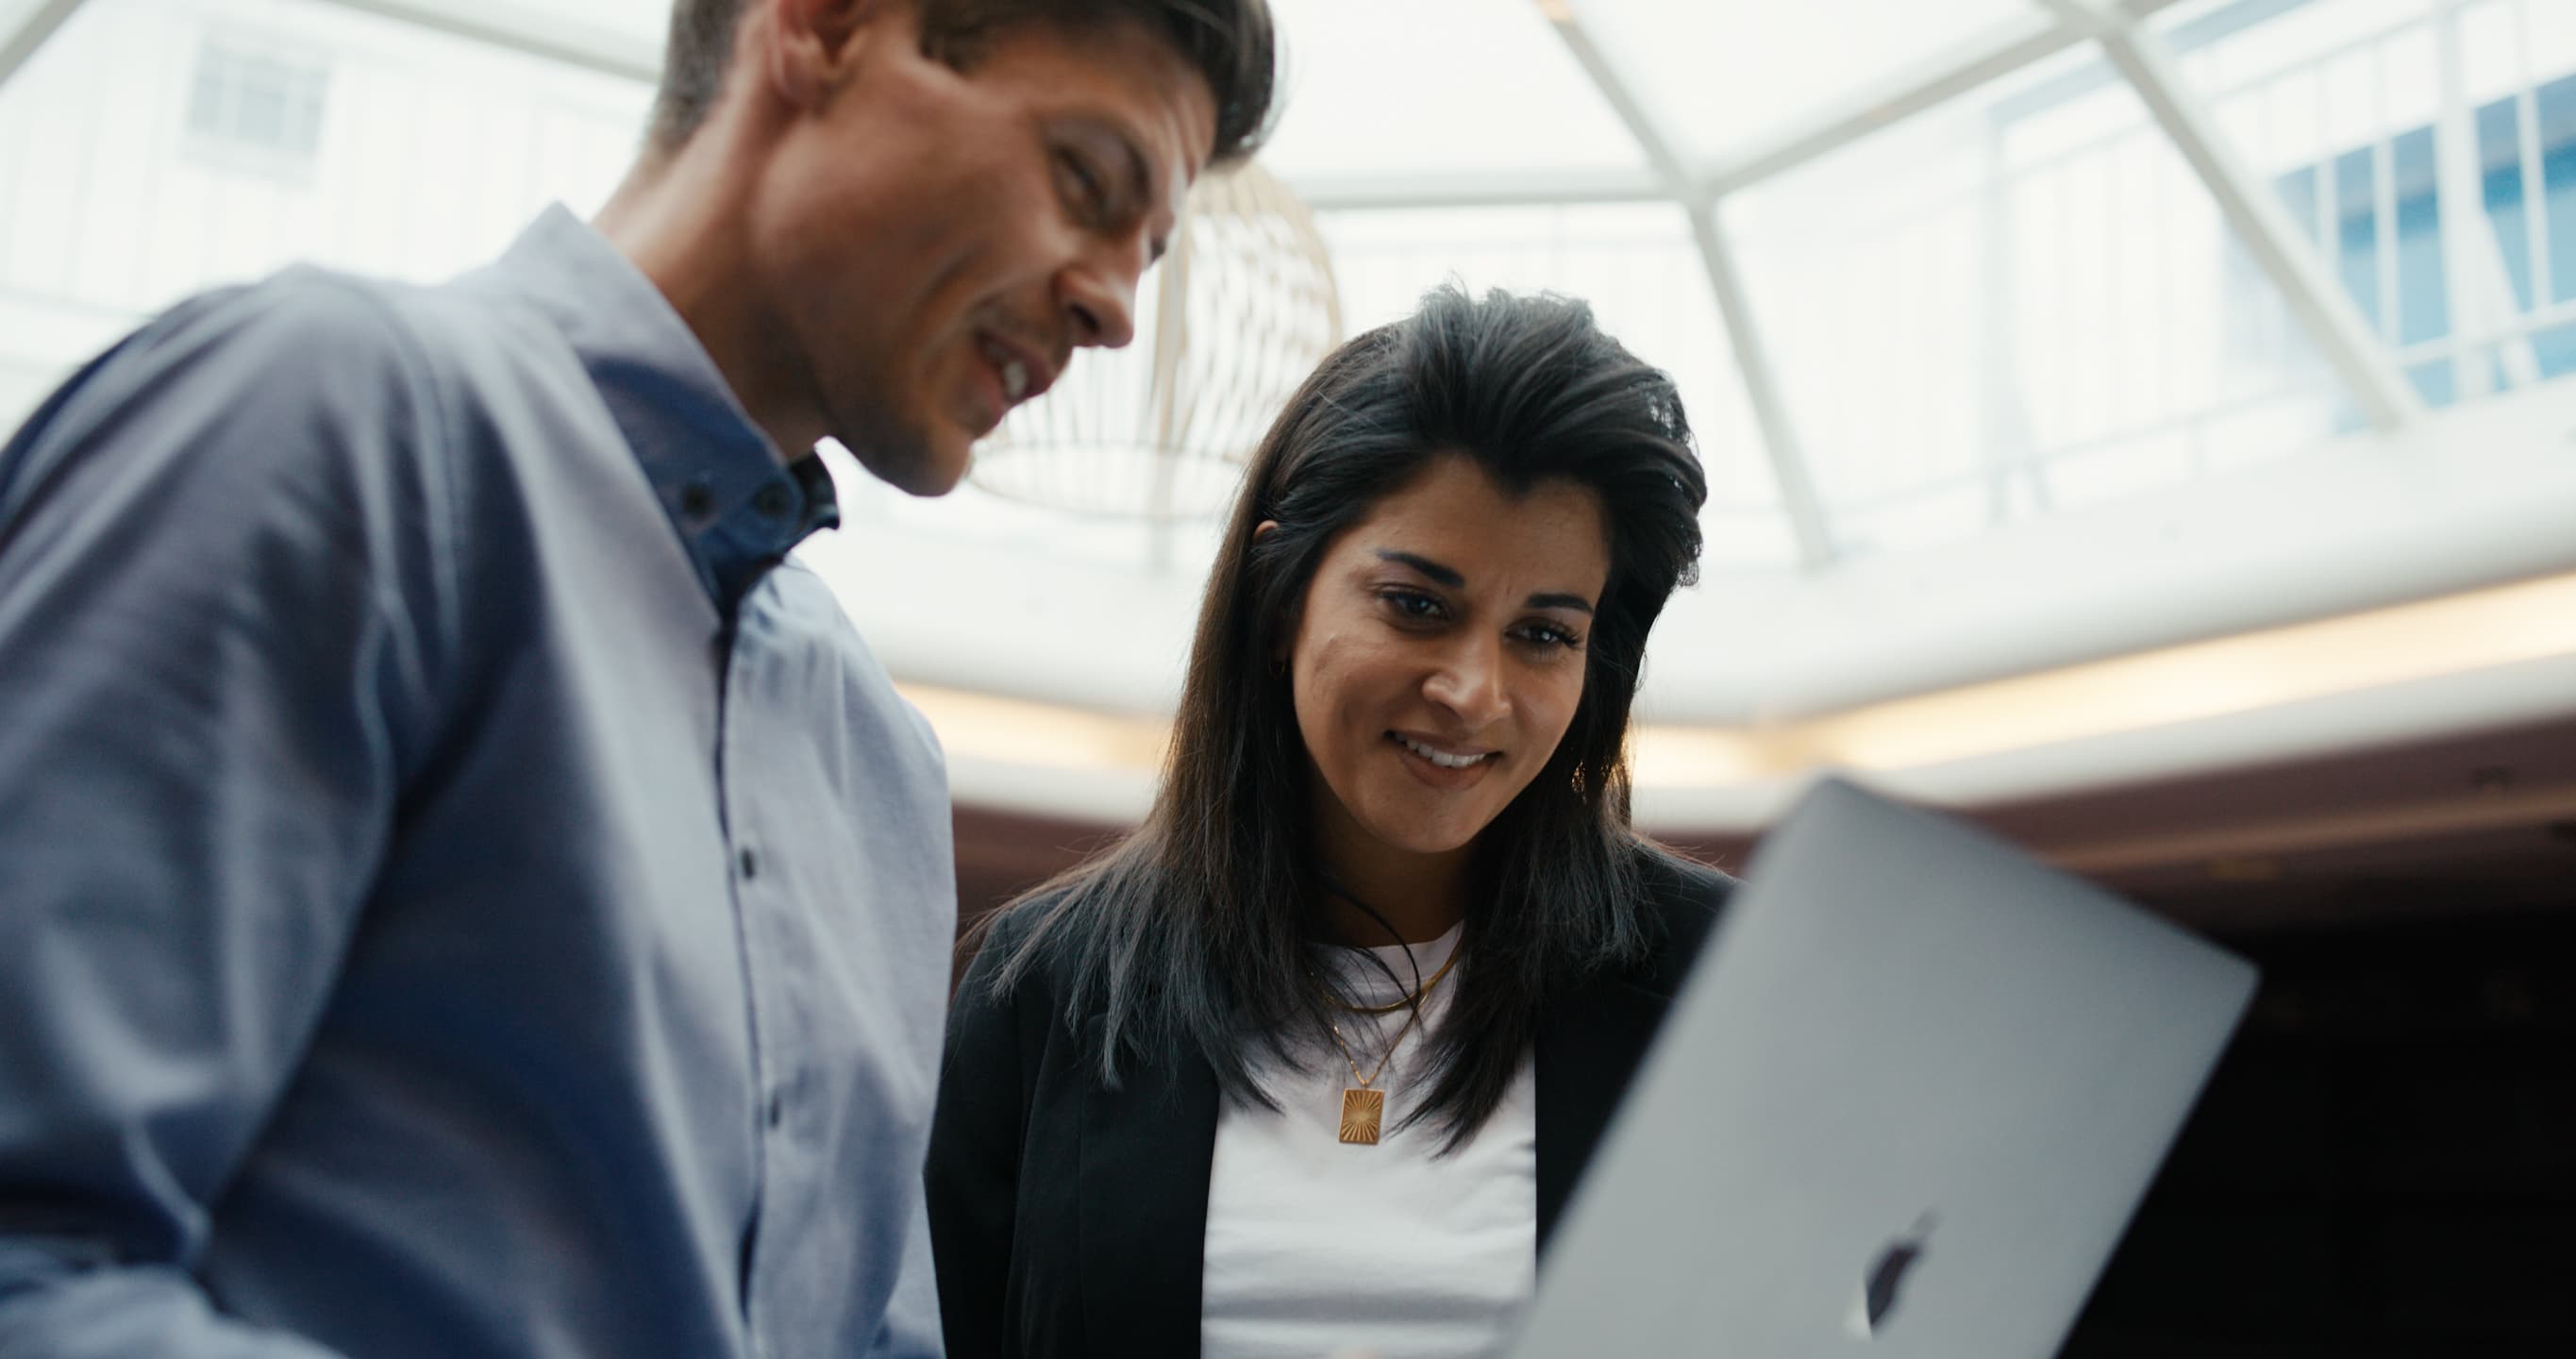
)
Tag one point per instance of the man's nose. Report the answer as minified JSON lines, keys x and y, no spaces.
{"x":1099,"y":298}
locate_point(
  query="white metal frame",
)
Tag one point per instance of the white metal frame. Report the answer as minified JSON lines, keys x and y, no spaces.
{"x":19,"y":43}
{"x":1726,"y":284}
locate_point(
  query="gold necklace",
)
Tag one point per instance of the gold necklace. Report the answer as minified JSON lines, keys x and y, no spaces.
{"x":1413,"y":999}
{"x":1363,"y":1106}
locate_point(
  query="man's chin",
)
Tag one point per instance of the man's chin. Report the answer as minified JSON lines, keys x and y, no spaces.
{"x":913,"y":464}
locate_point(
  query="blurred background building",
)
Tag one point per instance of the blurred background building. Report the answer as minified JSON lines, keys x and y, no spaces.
{"x":2137,"y":425}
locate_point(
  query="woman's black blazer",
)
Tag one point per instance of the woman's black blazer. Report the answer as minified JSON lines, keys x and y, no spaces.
{"x":1069,"y":1220}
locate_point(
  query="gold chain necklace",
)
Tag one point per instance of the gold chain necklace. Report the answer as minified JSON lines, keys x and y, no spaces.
{"x":1363,"y":1106}
{"x":1400,"y":1003}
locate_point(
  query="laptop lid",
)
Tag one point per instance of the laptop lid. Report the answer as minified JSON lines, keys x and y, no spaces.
{"x":1904,"y":1106}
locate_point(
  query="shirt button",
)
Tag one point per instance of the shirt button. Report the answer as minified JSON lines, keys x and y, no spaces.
{"x":777,"y":1108}
{"x":750,"y":864}
{"x":696,"y":500}
{"x":773,"y":501}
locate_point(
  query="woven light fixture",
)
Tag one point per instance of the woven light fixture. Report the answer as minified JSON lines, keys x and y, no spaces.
{"x":1239,"y":313}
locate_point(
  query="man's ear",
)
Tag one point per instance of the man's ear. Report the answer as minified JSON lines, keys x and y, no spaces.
{"x":813,"y":44}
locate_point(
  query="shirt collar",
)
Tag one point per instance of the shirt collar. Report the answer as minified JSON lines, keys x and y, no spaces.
{"x":737,"y":505}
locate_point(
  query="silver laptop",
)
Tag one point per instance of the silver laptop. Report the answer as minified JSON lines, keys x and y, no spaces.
{"x":1904,"y":1106}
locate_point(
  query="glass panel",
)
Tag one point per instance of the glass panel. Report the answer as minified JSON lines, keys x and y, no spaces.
{"x":1722,"y":76}
{"x":181,"y":144}
{"x":430,"y":152}
{"x":2430,"y":152}
{"x":2018,"y":302}
{"x":1380,"y":88}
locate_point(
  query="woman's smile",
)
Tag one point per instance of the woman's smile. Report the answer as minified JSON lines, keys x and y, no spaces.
{"x":1442,"y":765}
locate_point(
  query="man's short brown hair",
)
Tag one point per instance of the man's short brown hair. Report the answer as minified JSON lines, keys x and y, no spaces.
{"x":1230,"y":43}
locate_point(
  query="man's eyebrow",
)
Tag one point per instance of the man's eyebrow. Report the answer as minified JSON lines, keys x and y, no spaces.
{"x":1440,"y":574}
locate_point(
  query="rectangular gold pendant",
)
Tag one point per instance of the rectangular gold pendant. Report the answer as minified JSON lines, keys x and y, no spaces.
{"x":1361,"y":1110}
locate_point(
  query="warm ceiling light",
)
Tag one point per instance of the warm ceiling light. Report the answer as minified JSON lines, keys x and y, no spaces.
{"x":2456,"y":634}
{"x":1042,"y":735}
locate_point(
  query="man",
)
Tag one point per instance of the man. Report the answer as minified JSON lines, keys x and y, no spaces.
{"x":460,"y":894}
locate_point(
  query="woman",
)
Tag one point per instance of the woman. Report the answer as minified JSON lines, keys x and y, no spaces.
{"x":1313,"y":1059}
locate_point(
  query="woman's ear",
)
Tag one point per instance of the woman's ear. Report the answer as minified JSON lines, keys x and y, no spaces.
{"x":1278,"y":648}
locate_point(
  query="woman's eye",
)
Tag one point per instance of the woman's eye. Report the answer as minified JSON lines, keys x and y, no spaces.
{"x":1550,"y":635}
{"x":1412,"y":605}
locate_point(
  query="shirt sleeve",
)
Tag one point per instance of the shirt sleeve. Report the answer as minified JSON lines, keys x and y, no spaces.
{"x":911,"y":1329}
{"x":221,"y":601}
{"x":972,"y":1183}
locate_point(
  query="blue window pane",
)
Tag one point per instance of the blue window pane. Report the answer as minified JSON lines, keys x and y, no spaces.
{"x":2433,"y":382}
{"x":2356,"y":181}
{"x":2556,"y":350}
{"x":2558,"y":172}
{"x":2500,"y":152}
{"x":2423,"y":299}
{"x":2298,"y":191}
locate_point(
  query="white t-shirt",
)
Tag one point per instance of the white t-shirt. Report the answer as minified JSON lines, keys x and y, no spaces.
{"x":1315,"y":1246}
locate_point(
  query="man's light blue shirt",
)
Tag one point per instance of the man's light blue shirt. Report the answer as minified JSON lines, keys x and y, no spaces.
{"x":459,"y":894}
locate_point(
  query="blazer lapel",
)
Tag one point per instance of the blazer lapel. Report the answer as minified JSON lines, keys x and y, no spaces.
{"x":1147,"y":1149}
{"x":1587,"y":1048}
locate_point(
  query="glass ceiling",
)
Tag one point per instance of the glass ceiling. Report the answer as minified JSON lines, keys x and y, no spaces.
{"x":1727,"y":78}
{"x":1475,"y":85}
{"x":1983,"y":281}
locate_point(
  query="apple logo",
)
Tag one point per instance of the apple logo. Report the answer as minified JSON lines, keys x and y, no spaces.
{"x":1886,"y":1279}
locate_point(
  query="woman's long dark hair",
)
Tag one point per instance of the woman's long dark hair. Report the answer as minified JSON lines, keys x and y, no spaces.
{"x":1194,"y":933}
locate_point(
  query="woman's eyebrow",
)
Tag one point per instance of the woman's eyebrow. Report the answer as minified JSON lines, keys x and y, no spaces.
{"x":1443,"y":575}
{"x":1446,"y":575}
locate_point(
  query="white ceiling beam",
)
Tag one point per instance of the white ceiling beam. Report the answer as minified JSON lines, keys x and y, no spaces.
{"x":1515,"y":188}
{"x":519,"y":29}
{"x":20,"y":41}
{"x":1743,"y":333}
{"x":1613,"y":87}
{"x":1798,"y":497}
{"x":2261,"y":224}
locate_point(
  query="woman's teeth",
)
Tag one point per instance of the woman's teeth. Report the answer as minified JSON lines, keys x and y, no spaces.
{"x":1445,"y":761}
